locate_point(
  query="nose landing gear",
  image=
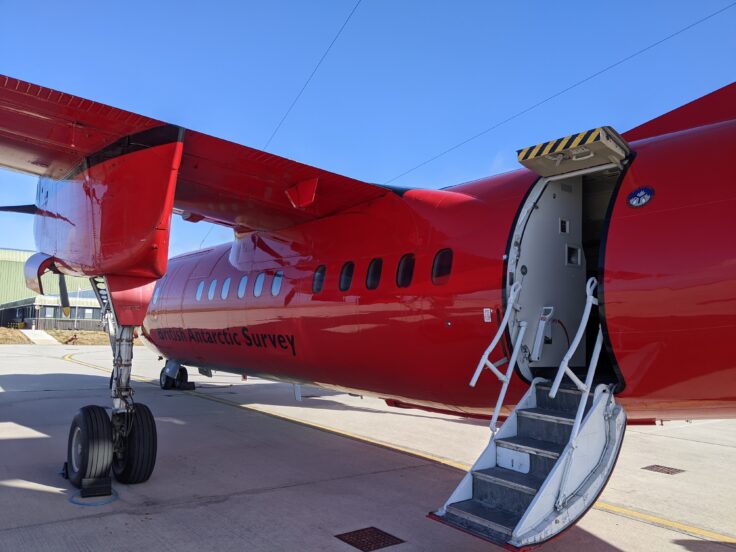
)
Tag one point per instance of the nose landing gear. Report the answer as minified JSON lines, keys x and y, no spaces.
{"x":174,"y":375}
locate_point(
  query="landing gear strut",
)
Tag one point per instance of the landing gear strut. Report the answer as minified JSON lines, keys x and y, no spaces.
{"x":125,"y":441}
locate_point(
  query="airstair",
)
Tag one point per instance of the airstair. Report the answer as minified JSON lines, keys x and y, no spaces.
{"x":550,"y":460}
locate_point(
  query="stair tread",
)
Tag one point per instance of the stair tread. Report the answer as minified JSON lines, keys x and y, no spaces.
{"x":548,"y":447}
{"x":514,"y":478}
{"x":498,"y":519}
{"x":563,"y":388}
{"x":548,"y":413}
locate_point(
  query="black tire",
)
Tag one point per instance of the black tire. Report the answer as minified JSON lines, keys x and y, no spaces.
{"x":136,"y":462}
{"x":182,"y":377}
{"x":165,"y":381}
{"x":89,"y":449}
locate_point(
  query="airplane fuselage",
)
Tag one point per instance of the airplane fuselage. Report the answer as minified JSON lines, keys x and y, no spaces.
{"x":667,"y":269}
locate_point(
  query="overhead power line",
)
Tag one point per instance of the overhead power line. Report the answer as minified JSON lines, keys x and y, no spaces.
{"x":316,"y":67}
{"x":561,"y":92}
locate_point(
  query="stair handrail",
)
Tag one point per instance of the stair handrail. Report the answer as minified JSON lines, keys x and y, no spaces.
{"x":588,"y":385}
{"x":564,"y":368}
{"x":484,"y":361}
{"x":561,"y":497}
{"x":506,"y":379}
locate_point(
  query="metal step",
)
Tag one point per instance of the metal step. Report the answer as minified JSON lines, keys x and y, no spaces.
{"x":494,"y":524}
{"x":521,"y":481}
{"x":504,"y":489}
{"x":545,"y":424}
{"x":567,"y":399}
{"x":542,"y":454}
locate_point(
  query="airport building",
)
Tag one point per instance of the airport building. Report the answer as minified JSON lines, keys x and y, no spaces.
{"x":20,"y":307}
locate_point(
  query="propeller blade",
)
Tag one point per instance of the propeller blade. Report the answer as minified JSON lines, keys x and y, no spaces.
{"x":64,"y":296}
{"x":27,"y":209}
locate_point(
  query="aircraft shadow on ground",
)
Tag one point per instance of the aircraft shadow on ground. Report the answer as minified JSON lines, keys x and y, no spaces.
{"x":34,"y":432}
{"x":315,"y":398}
{"x":696,"y":545}
{"x":21,"y":404}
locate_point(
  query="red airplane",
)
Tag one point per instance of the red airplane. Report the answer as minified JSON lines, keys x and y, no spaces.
{"x":595,"y":286}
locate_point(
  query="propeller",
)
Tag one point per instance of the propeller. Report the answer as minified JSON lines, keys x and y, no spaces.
{"x":64,"y":296}
{"x":63,"y":292}
{"x":27,"y":209}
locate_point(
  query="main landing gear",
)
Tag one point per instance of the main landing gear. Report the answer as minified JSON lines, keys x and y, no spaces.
{"x":124,"y":442}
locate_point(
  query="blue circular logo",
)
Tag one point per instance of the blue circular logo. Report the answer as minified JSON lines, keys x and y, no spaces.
{"x":641,"y":196}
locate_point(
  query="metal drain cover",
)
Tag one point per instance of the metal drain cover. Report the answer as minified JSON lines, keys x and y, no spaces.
{"x":663,"y":469}
{"x":369,"y":539}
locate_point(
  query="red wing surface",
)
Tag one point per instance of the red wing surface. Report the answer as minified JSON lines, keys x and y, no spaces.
{"x":51,"y":134}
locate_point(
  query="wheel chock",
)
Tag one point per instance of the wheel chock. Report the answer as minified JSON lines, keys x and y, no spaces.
{"x":101,"y":486}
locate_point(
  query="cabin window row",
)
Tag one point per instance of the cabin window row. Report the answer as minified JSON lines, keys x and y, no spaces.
{"x":441,"y":269}
{"x":258,"y":285}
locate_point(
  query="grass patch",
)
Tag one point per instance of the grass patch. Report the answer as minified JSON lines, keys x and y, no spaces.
{"x":9,"y":336}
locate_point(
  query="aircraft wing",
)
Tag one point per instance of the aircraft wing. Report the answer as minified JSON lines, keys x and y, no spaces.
{"x":50,"y":134}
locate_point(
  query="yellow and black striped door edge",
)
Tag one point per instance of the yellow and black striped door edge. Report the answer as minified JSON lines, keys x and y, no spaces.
{"x":561,"y":144}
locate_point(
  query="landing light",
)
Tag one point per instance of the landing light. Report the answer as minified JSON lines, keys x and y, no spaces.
{"x":598,"y":146}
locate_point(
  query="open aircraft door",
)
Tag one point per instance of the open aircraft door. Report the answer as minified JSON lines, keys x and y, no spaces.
{"x":554,"y":253}
{"x":548,"y":462}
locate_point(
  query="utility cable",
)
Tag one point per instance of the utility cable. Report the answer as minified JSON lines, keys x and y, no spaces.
{"x":563,"y":91}
{"x":306,"y":83}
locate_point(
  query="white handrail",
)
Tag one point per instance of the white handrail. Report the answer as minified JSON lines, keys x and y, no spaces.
{"x":579,"y":416}
{"x":484,"y":362}
{"x":564,"y":365}
{"x":588,"y":384}
{"x":507,"y":378}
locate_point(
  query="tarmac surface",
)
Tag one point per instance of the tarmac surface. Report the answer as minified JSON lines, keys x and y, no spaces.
{"x":244,"y":466}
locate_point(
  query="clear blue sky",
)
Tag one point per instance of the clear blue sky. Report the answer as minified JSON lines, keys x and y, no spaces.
{"x":405,"y":80}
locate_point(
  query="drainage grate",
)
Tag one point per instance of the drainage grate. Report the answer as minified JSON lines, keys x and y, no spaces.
{"x":369,"y":539}
{"x":663,"y":469}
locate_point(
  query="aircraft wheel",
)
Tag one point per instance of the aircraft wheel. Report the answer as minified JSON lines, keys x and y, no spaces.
{"x":182,"y":377}
{"x":89,"y":450}
{"x":135,"y":461}
{"x":165,"y":381}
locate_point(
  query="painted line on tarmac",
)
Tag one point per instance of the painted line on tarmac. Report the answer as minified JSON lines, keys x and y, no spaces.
{"x":635,"y":515}
{"x":665,"y":523}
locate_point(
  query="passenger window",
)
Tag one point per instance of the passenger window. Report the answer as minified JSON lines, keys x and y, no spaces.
{"x":405,"y":271}
{"x":276,"y":284}
{"x":200,"y":290}
{"x":441,"y":267}
{"x":258,"y":286}
{"x":373,"y":276}
{"x":225,"y":288}
{"x":346,"y":275}
{"x":211,"y":291}
{"x":241,"y":286}
{"x":319,"y":279}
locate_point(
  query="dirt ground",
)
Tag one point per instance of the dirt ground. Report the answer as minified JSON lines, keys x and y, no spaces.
{"x":9,"y":336}
{"x":81,"y":337}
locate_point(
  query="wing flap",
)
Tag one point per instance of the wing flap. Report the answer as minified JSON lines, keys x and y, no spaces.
{"x":243,"y":187}
{"x":48,"y":133}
